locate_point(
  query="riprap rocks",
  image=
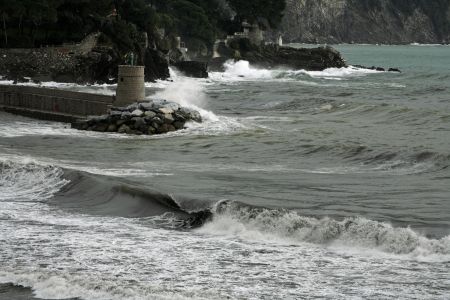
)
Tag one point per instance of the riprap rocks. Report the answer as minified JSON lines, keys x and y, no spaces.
{"x":152,"y":117}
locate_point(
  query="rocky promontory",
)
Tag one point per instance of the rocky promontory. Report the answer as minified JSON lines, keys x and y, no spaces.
{"x":149,"y":118}
{"x":272,"y":56}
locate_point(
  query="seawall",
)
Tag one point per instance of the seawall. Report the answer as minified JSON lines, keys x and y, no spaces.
{"x":52,"y":104}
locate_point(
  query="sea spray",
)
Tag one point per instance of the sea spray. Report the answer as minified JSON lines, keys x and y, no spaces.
{"x":243,"y":71}
{"x":288,"y":226}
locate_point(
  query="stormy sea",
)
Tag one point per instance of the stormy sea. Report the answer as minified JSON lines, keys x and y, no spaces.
{"x":297,"y":185}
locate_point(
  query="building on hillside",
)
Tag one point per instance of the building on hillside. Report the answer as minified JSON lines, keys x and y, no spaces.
{"x":249,"y":31}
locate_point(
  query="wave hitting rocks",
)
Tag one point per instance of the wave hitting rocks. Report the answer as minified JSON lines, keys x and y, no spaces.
{"x":153,"y":117}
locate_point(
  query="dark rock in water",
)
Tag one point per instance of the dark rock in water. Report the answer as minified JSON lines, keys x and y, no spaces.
{"x":179,"y":117}
{"x":394,"y":70}
{"x":380,"y":69}
{"x":178,"y":125}
{"x":270,"y":56}
{"x":198,"y":219}
{"x":192,"y":68}
{"x":190,"y":114}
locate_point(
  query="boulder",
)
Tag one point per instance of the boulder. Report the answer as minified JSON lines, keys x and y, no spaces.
{"x":125,"y":115}
{"x":150,"y":114}
{"x":137,"y":113}
{"x":178,"y":125}
{"x":168,"y":119}
{"x":190,"y":114}
{"x":194,"y":69}
{"x":112,"y":128}
{"x":124,"y":129}
{"x":100,"y":127}
{"x":166,"y":110}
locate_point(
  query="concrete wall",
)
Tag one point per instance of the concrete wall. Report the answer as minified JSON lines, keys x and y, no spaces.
{"x":52,"y":104}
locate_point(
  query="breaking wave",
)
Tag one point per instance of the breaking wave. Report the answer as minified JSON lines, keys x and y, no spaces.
{"x":83,"y":193}
{"x":243,"y":71}
{"x":287,"y":226}
{"x":29,"y":182}
{"x":86,"y":193}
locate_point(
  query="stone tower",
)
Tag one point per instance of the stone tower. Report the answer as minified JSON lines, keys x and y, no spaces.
{"x":130,"y":85}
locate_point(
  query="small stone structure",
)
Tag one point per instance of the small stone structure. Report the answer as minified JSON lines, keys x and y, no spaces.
{"x":249,"y":31}
{"x":152,"y":117}
{"x":130,"y":85}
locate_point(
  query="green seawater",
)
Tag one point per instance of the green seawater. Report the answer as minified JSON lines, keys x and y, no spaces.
{"x":331,"y":184}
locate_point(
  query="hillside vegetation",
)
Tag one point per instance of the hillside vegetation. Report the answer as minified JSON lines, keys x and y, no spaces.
{"x":35,"y":23}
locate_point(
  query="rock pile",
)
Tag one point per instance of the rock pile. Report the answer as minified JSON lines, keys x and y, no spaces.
{"x":154,"y":117}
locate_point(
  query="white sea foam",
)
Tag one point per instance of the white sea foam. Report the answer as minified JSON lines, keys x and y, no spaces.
{"x":396,"y":167}
{"x":290,"y":227}
{"x":243,"y":71}
{"x":238,"y":255}
{"x":190,"y":92}
{"x":29,"y":181}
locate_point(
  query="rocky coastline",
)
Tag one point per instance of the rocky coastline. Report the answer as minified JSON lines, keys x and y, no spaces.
{"x":156,"y":116}
{"x":273,"y":56}
{"x":57,"y":64}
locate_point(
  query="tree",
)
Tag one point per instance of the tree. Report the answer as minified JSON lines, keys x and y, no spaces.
{"x":259,"y":11}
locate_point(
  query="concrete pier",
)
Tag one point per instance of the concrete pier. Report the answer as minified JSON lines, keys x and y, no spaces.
{"x":52,"y":104}
{"x":130,"y":85}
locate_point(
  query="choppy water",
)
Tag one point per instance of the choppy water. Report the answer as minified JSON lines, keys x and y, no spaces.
{"x":330,"y":184}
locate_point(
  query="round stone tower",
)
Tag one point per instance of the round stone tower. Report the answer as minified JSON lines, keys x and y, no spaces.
{"x":130,"y":85}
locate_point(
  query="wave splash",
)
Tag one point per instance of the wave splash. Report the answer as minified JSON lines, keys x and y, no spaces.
{"x":29,"y":182}
{"x":190,"y":92}
{"x":243,"y":71}
{"x":99,"y":195}
{"x":286,"y":226}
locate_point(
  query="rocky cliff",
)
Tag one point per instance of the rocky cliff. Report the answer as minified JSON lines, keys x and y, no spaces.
{"x":367,"y":21}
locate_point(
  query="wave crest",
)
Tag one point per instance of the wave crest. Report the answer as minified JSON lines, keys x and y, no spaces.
{"x":233,"y":218}
{"x":242,"y":70}
{"x":29,"y":182}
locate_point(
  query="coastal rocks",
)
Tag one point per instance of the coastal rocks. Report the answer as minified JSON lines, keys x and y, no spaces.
{"x":153,"y":117}
{"x":271,"y":56}
{"x":380,"y":69}
{"x":156,"y":65}
{"x":54,"y":64}
{"x":192,"y":68}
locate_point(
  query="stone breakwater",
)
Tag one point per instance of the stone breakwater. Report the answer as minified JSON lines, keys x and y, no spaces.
{"x":153,"y":117}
